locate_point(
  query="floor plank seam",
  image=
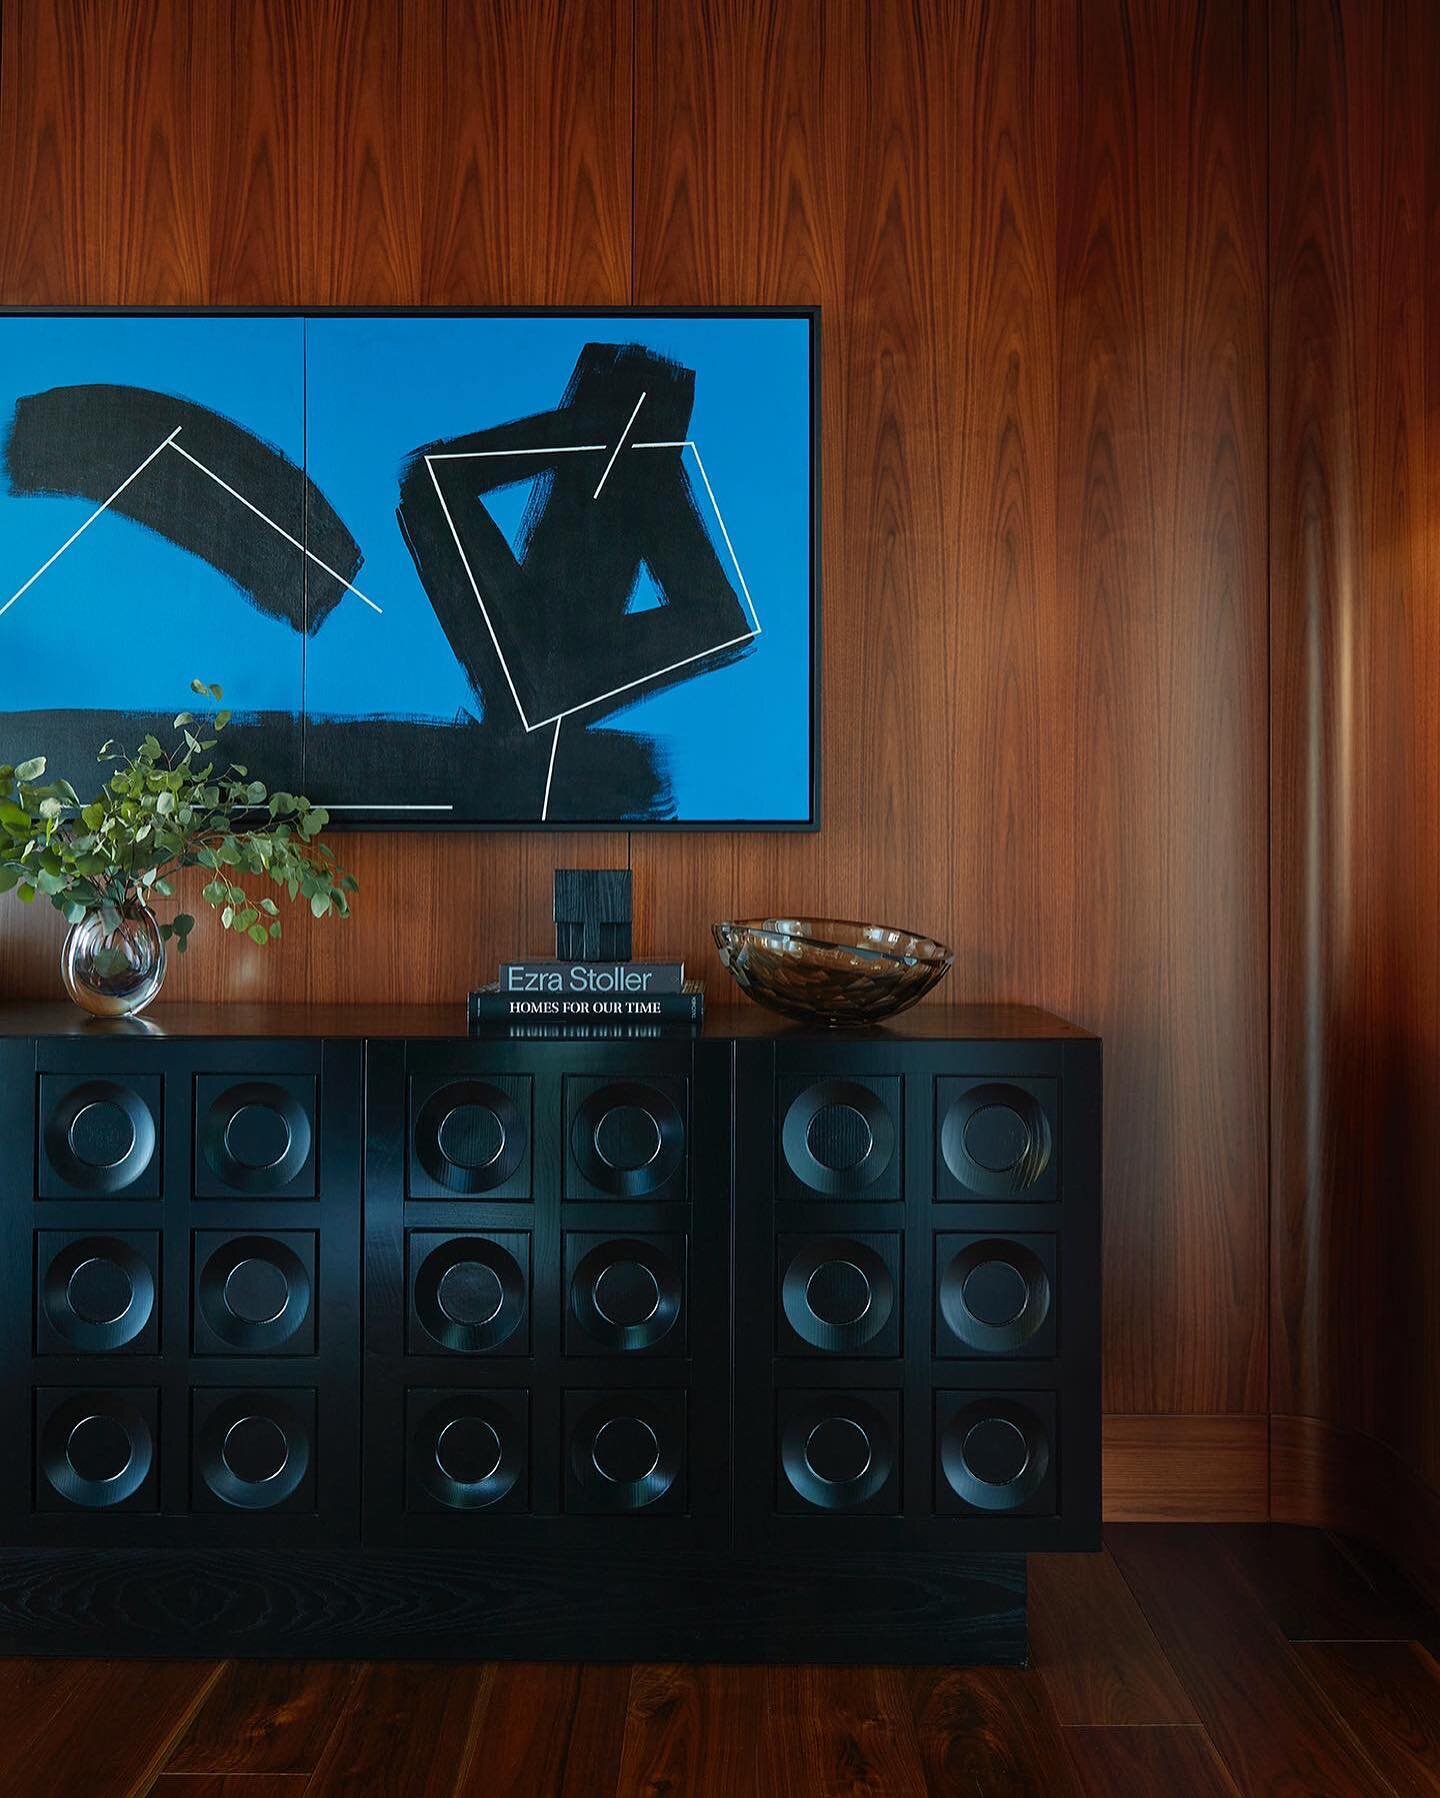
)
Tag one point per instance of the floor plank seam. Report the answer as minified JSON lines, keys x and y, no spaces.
{"x":342,"y":1712}
{"x":146,"y":1781}
{"x":1198,"y":1729}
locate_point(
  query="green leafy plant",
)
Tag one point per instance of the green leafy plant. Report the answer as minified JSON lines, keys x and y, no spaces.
{"x":157,"y":812}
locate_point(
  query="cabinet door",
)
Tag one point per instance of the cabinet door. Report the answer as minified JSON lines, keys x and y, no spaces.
{"x":916,"y":1294}
{"x":180,"y":1292}
{"x":547,"y":1243}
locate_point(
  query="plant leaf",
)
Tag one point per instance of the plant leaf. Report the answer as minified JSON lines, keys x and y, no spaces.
{"x":157,"y":811}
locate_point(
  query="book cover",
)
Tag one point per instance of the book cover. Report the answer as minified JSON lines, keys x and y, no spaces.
{"x":490,"y":1008}
{"x":591,"y":979}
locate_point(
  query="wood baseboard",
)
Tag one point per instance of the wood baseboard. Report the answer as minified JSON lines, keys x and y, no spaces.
{"x":1331,"y":1477}
{"x":1186,"y":1469}
{"x":1250,"y":1469}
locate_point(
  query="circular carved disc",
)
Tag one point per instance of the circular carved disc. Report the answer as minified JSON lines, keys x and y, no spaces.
{"x":99,"y":1137}
{"x":470,"y":1293}
{"x":627,"y":1137}
{"x":839,"y":1137}
{"x":838,"y":1292}
{"x":101,"y":1134}
{"x":996,"y":1137}
{"x":255,"y":1449}
{"x":626,"y":1453}
{"x":995,"y":1293}
{"x":468,"y":1451}
{"x":100,"y":1291}
{"x":626,"y":1293}
{"x":837,"y":1450}
{"x":98,"y":1448}
{"x":257,"y":1137}
{"x":471,"y":1136}
{"x":256,"y":1291}
{"x":625,"y":1450}
{"x":996,"y":1451}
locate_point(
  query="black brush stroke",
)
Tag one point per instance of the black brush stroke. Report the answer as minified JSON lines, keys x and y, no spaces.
{"x":83,"y":441}
{"x":559,"y":614}
{"x":488,"y":775}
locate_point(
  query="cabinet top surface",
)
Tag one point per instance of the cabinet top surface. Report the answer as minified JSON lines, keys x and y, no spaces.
{"x":926,"y":1023}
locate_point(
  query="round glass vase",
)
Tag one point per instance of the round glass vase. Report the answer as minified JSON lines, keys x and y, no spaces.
{"x":114,"y":973}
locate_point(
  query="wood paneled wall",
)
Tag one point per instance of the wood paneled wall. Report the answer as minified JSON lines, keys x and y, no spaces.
{"x":1163,"y":535}
{"x":1356,"y":792}
{"x":1037,"y":230}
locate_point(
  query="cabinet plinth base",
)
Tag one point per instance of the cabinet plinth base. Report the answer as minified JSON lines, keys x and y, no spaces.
{"x":691,"y":1605}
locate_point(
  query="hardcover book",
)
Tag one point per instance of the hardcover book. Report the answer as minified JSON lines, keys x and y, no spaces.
{"x":490,"y":1008}
{"x":608,"y":979}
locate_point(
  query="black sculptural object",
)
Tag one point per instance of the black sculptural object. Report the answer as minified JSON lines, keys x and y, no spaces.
{"x":593,"y":912}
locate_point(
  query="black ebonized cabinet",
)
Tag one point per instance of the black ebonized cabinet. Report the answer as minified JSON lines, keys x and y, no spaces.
{"x":341,"y":1334}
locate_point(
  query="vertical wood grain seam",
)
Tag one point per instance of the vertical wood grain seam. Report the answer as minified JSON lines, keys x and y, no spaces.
{"x":634,"y":209}
{"x":634,"y":152}
{"x":1268,"y":341}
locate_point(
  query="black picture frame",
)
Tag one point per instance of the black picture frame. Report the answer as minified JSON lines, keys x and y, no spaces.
{"x":810,"y":314}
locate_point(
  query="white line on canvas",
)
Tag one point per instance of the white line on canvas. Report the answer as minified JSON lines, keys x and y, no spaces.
{"x":695,"y":451}
{"x":475,"y":589}
{"x":689,"y":443}
{"x":139,"y":469}
{"x":550,"y":771}
{"x":619,"y":446}
{"x":559,"y":449}
{"x":554,"y":449}
{"x":278,"y":529}
{"x":640,"y":680}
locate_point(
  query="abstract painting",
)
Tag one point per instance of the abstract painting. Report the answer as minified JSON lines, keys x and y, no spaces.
{"x":484,"y":568}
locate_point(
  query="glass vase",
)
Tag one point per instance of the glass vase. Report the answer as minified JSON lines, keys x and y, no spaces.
{"x":114,"y":973}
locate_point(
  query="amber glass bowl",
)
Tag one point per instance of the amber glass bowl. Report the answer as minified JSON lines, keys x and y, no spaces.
{"x":829,"y":971}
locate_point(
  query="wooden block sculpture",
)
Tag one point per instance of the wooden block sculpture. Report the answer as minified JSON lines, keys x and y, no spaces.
{"x":593,"y":911}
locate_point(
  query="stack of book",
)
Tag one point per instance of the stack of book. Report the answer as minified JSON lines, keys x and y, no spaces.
{"x":564,"y":998}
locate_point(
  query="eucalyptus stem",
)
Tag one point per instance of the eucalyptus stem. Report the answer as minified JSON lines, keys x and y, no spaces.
{"x":160,"y":811}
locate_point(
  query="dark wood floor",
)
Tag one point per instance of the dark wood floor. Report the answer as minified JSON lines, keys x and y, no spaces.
{"x":1182,"y":1660}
